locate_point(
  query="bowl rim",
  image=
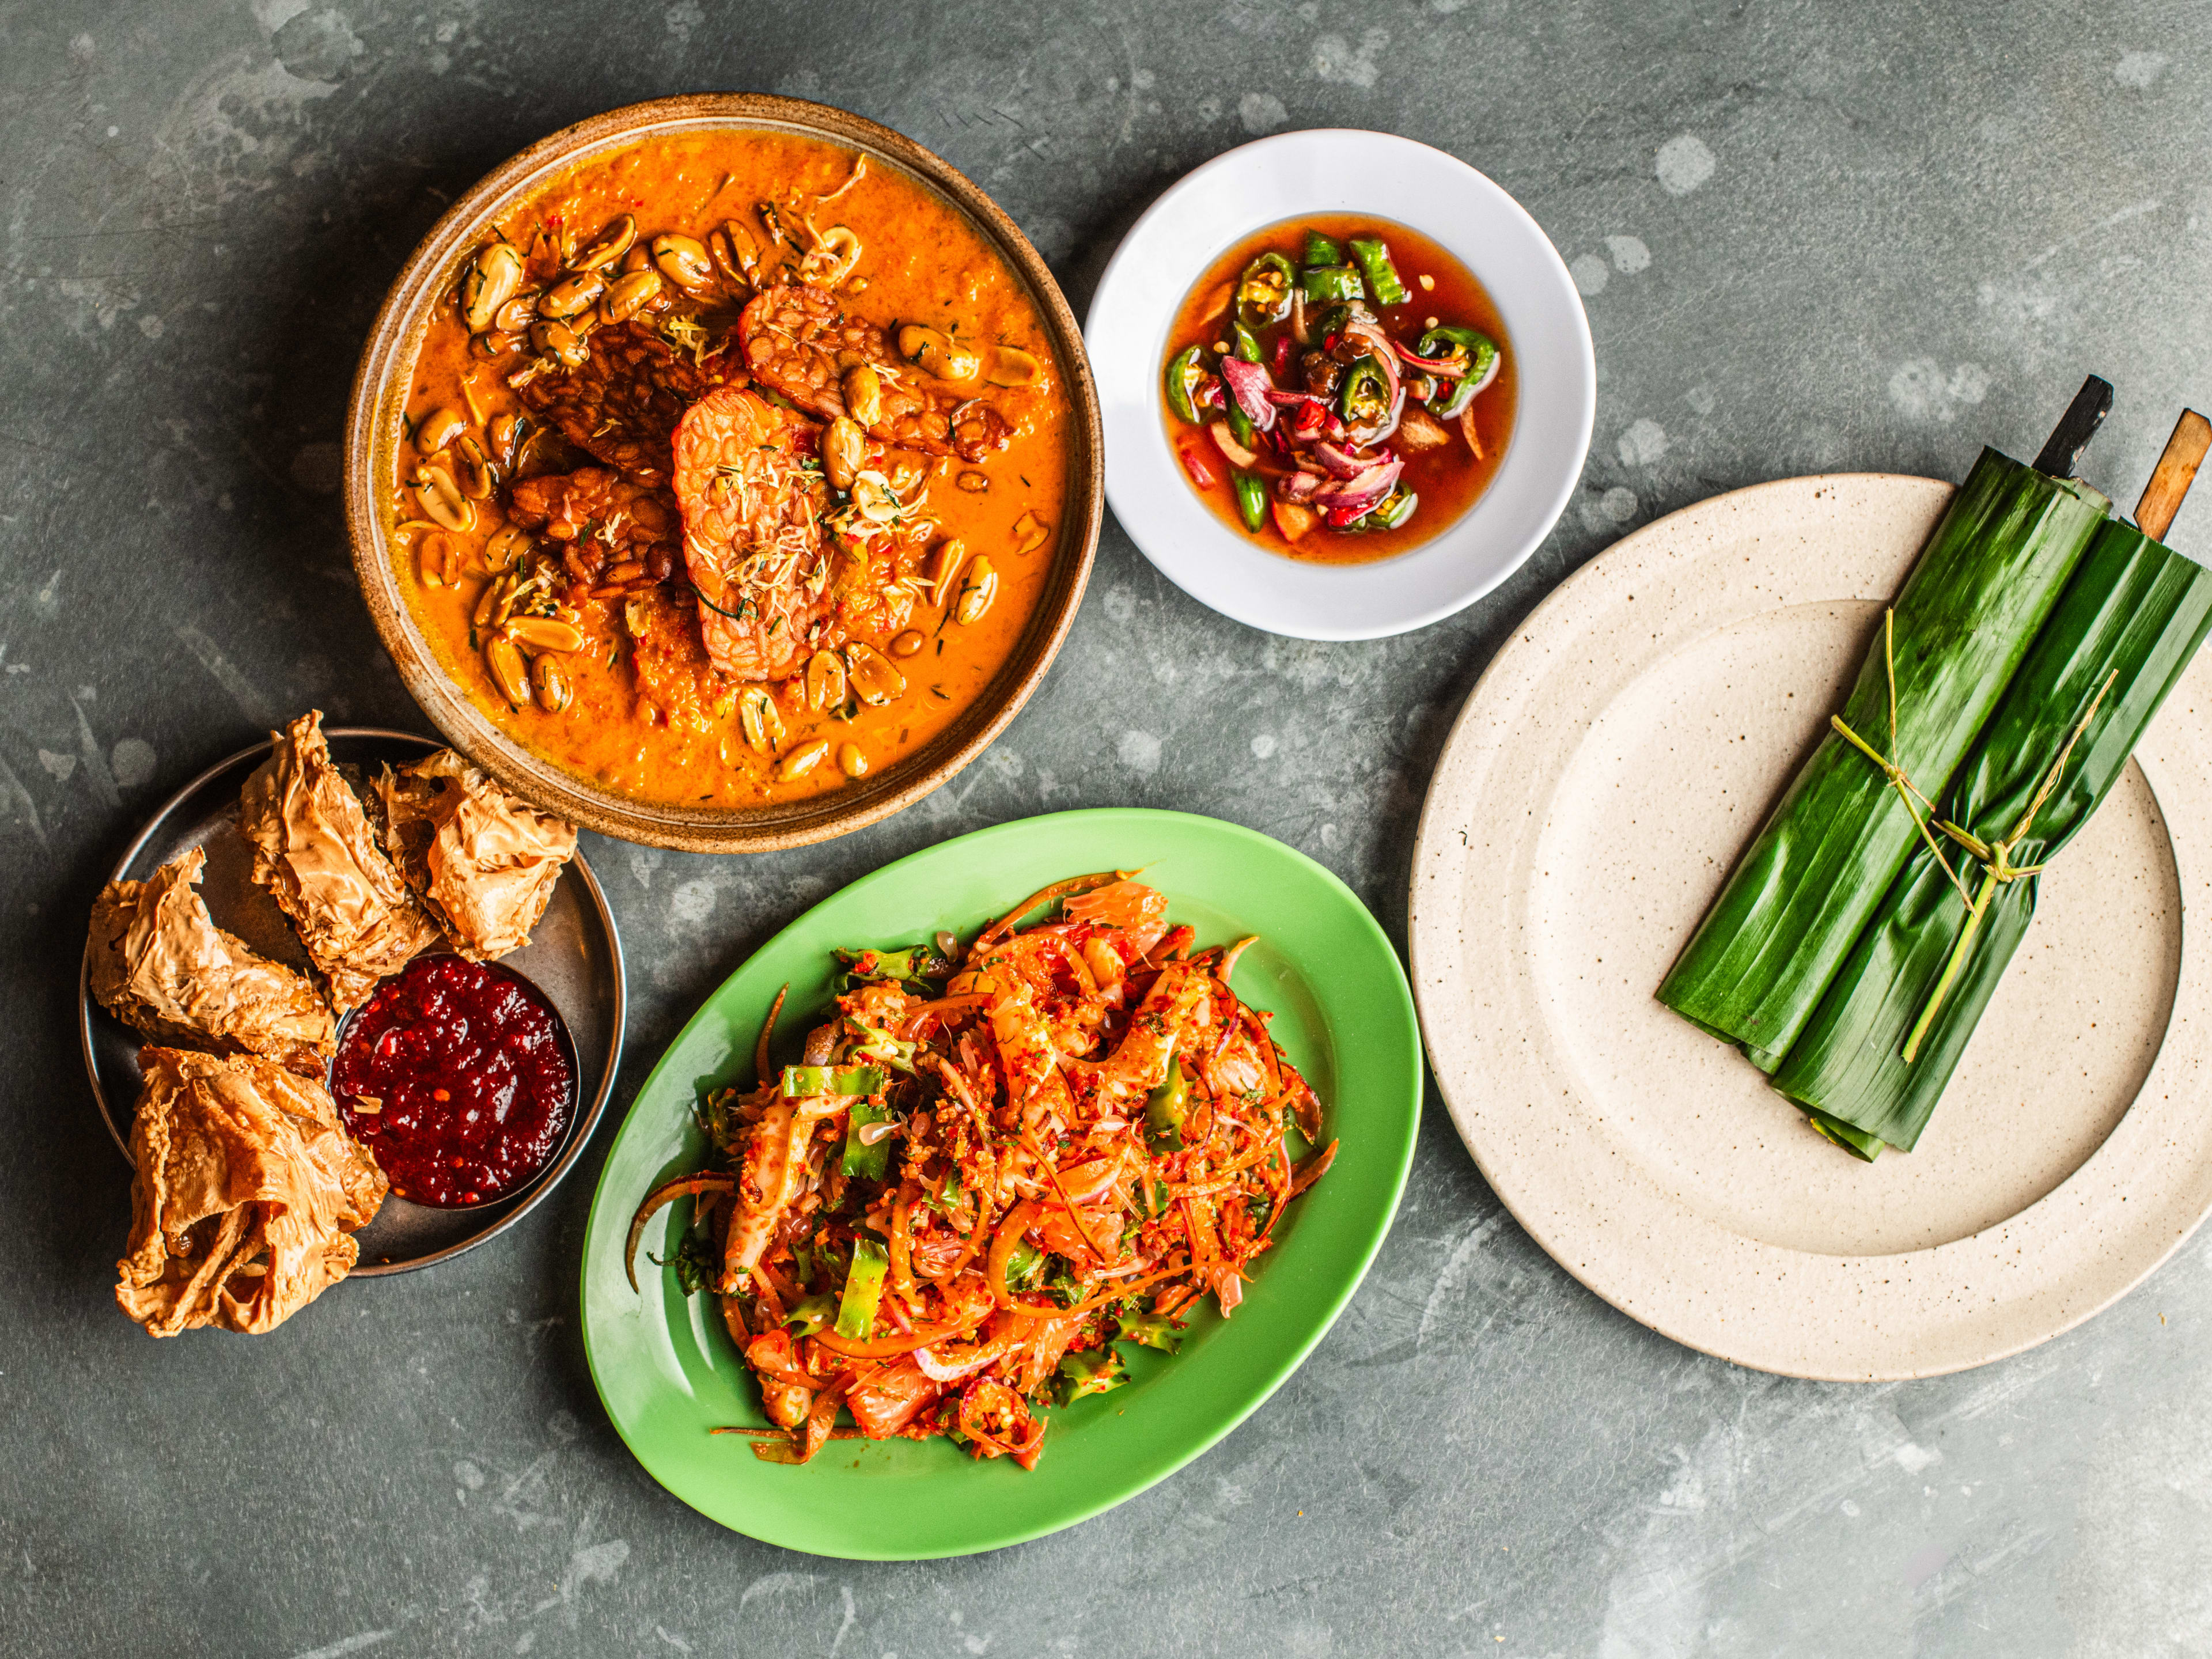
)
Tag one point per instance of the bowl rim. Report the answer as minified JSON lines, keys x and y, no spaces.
{"x":1304,"y":599}
{"x":588,"y":1114}
{"x":379,"y":381}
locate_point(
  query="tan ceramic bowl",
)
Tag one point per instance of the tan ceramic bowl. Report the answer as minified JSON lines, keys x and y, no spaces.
{"x":375,"y":429}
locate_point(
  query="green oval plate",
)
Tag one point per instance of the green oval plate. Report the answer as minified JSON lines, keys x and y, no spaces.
{"x":669,"y":1373}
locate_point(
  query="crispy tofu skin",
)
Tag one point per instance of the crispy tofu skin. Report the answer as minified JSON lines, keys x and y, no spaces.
{"x":247,"y":1195}
{"x":314,"y":852}
{"x":485,"y":862}
{"x":160,"y":964}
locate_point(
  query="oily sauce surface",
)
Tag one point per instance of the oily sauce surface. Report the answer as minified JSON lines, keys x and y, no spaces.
{"x":1449,"y":479}
{"x":678,"y":739}
{"x":456,"y":1077}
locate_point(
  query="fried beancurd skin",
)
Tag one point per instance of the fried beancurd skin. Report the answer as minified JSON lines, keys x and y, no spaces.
{"x":161,"y":964}
{"x":485,"y":862}
{"x":246,"y":1194}
{"x":314,"y":852}
{"x":993,"y":1172}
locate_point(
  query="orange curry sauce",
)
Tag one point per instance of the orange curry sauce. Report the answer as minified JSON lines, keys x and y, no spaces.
{"x":676,"y":735}
{"x":1449,"y":478}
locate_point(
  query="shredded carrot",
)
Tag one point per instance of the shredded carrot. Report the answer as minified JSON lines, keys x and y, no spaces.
{"x":999,"y":929}
{"x":901,"y":1249}
{"x":890,"y":1347}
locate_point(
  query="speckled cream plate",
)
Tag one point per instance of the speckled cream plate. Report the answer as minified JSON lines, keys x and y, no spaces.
{"x":1593,"y":795}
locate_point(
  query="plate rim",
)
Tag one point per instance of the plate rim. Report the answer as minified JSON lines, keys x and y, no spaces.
{"x":1361,"y":1260}
{"x":1201,"y":524}
{"x":1570,"y":1242}
{"x":587,"y":1122}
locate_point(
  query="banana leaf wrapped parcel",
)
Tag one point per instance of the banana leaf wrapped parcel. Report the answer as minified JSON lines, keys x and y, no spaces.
{"x":1886,"y":1037}
{"x":1818,"y":871}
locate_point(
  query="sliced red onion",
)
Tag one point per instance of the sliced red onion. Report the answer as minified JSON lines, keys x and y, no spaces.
{"x":1444,"y":368}
{"x":939,"y":1371}
{"x":1356,"y":495}
{"x":1340,"y":462}
{"x":1249,"y":385}
{"x":1299,"y":486}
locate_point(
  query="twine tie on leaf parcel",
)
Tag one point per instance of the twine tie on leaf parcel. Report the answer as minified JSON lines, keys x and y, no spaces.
{"x":1995,"y":857}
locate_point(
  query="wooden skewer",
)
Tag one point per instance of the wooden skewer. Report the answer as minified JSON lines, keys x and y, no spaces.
{"x":2171,"y":478}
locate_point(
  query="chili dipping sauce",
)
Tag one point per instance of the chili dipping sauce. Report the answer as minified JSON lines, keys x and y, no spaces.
{"x":1447,"y":477}
{"x":459,"y":1078}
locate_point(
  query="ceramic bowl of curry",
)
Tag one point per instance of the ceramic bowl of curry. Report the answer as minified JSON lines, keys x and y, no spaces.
{"x":723,"y":472}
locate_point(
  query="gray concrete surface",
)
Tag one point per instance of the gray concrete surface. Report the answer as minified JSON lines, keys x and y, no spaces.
{"x":1864,"y":236}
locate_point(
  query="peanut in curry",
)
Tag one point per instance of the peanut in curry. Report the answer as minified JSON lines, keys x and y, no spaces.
{"x":735,"y":463}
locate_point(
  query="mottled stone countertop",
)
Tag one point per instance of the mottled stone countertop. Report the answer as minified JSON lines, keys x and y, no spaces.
{"x":1810,"y":238}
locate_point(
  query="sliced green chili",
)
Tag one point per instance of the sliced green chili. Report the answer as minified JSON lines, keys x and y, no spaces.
{"x":866,"y":1162}
{"x":883,"y":1049}
{"x":832,"y":1080}
{"x":1365,"y":398}
{"x":1325,"y":283}
{"x":1329,"y":322}
{"x":1263,"y":293}
{"x":1319,"y":251}
{"x":1392,"y":511}
{"x":1454,"y":345}
{"x":1374,"y":257}
{"x":811,"y":1314}
{"x":1240,"y":424}
{"x":1167,"y":1107}
{"x":864,"y":1290}
{"x":1248,"y":343}
{"x":1251,"y":497}
{"x":911,"y":961}
{"x":1184,"y":374}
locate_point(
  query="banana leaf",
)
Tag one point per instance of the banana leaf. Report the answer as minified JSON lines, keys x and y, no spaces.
{"x":2134,"y":615}
{"x":1815,"y":875}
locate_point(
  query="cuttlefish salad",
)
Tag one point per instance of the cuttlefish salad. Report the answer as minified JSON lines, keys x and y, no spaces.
{"x":1339,"y":388}
{"x":990,"y":1171}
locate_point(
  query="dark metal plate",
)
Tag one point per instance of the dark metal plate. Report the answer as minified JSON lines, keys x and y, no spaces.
{"x":574,"y":956}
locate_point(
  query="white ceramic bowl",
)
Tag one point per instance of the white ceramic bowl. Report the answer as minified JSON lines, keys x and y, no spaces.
{"x":1341,"y":171}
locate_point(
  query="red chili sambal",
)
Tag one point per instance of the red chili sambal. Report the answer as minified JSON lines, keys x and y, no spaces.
{"x":457,"y":1077}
